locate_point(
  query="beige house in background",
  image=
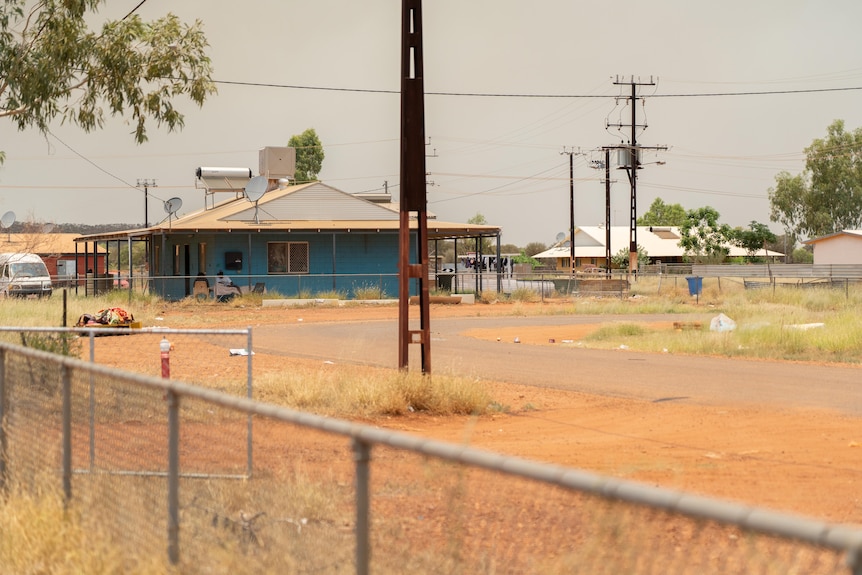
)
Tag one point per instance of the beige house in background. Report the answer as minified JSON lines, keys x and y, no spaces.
{"x":62,"y":256}
{"x":44,"y":244}
{"x":844,"y":247}
{"x":661,"y":243}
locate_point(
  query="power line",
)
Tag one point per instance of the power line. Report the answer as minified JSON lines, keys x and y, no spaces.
{"x":524,"y":95}
{"x":97,"y":166}
{"x":89,"y":161}
{"x":135,"y":9}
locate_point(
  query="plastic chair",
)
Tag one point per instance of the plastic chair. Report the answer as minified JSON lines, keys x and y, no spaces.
{"x":201,"y":290}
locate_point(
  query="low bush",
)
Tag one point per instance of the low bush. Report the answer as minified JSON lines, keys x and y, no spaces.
{"x":369,"y":291}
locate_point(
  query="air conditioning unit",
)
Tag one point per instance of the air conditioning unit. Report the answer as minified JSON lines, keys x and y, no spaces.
{"x":277,"y":163}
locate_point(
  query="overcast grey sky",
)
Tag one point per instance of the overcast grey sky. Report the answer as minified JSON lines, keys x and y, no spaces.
{"x":499,"y":156}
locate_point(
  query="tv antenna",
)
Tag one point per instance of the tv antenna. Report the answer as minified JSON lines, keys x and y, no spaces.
{"x":6,"y":222}
{"x":172,"y":206}
{"x":254,"y":191}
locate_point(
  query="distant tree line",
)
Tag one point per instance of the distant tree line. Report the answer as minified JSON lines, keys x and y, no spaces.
{"x":83,"y":229}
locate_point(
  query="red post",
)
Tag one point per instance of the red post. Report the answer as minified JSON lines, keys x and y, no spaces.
{"x":165,"y":347}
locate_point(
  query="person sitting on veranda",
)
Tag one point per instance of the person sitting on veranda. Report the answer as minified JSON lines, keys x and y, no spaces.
{"x":225,"y":289}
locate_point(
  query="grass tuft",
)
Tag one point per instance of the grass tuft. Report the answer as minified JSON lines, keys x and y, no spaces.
{"x":368,"y":291}
{"x":373,"y":393}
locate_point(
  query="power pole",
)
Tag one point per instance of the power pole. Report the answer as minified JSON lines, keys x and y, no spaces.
{"x":146,"y":184}
{"x":571,"y":152}
{"x":413,"y":189}
{"x":632,"y":165}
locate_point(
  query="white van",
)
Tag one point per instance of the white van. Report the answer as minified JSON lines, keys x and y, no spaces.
{"x":24,"y":275}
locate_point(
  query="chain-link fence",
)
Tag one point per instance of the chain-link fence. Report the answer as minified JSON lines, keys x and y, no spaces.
{"x":331,"y":496}
{"x":213,"y":359}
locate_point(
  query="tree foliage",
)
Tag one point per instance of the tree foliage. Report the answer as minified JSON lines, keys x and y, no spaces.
{"x":534,"y":248}
{"x":525,"y":258}
{"x":827,"y":196}
{"x":52,"y":65}
{"x":620,"y":259}
{"x":479,"y":220}
{"x":309,"y":155}
{"x":703,"y":238}
{"x":485,"y":244}
{"x":662,"y":214}
{"x":754,"y":238}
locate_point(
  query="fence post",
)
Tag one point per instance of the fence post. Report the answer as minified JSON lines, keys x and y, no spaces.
{"x":4,"y":441}
{"x":854,"y":561}
{"x":362,"y":457}
{"x":249,"y":434}
{"x":173,"y":401}
{"x":67,"y":432}
{"x":92,"y":406}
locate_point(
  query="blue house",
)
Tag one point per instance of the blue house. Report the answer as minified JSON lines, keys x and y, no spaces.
{"x":297,"y":240}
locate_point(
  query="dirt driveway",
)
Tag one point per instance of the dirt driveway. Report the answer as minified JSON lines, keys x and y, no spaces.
{"x":787,"y":436}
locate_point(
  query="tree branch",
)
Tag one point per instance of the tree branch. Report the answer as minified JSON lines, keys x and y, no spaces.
{"x":15,"y":112}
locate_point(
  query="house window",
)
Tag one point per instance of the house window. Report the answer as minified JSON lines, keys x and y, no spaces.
{"x":287,"y":257}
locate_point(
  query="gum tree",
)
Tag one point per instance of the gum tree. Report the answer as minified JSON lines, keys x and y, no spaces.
{"x":662,"y":214}
{"x":827,"y":196}
{"x":54,"y":66}
{"x":703,"y":238}
{"x":309,"y":155}
{"x":754,"y":238}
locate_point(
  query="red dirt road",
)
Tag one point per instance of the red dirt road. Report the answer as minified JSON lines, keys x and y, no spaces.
{"x":797,"y":459}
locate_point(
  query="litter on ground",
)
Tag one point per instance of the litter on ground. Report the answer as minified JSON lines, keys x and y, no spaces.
{"x":722,"y":323}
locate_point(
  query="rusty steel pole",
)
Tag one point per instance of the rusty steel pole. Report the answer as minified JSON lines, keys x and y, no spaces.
{"x":413,"y":193}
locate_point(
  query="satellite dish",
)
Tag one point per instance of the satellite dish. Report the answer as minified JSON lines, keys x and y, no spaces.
{"x":561,"y":236}
{"x":173,"y":205}
{"x":256,"y":188}
{"x":47,"y":228}
{"x":7,"y":220}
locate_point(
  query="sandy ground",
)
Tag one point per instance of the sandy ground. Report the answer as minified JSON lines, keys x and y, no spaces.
{"x":798,"y":460}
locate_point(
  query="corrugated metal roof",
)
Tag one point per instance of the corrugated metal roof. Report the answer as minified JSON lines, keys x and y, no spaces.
{"x":658,"y":242}
{"x":315,"y":201}
{"x":310,"y":207}
{"x":38,"y":243}
{"x":834,"y":234}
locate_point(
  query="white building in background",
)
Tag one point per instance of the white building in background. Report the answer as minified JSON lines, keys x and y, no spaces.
{"x":844,"y":247}
{"x":661,"y":244}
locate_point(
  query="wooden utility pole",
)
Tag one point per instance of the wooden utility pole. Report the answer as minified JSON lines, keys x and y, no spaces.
{"x":146,"y":184}
{"x":413,"y":192}
{"x":571,"y":152}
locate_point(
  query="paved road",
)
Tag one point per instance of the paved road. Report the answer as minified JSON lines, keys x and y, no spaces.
{"x":654,"y":377}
